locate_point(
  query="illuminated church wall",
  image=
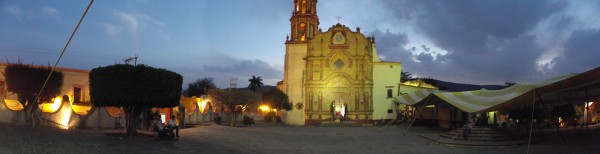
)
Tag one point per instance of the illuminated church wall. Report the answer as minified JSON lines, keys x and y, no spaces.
{"x":339,"y":67}
{"x":336,"y":66}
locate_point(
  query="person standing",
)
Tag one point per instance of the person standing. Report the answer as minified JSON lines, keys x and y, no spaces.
{"x":173,"y":125}
{"x":467,"y":130}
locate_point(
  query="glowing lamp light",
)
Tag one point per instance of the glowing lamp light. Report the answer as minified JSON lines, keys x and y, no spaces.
{"x":202,"y":106}
{"x":65,"y":117}
{"x":264,"y":108}
{"x":56,"y":104}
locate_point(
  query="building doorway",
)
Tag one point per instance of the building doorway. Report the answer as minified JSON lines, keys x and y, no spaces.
{"x":339,"y":109}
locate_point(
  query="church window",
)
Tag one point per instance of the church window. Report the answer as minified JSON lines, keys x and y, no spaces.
{"x":303,"y":6}
{"x":339,"y":64}
{"x":302,"y":31}
{"x":310,"y":31}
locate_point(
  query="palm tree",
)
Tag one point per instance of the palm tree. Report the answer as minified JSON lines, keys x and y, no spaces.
{"x":255,"y":83}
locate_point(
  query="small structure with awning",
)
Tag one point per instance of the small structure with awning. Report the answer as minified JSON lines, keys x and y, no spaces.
{"x":445,"y":106}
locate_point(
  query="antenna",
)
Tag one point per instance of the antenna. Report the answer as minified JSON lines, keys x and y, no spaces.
{"x":233,"y":83}
{"x":129,"y":59}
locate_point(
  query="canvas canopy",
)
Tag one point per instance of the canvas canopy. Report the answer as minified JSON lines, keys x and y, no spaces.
{"x":567,"y":88}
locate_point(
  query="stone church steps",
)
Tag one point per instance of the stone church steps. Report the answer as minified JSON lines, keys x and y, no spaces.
{"x":486,"y":134}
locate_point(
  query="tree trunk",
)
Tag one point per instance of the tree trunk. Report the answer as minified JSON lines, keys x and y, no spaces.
{"x":131,"y":117}
{"x":29,"y":114}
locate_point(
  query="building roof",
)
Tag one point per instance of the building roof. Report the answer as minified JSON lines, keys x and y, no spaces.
{"x":63,"y":69}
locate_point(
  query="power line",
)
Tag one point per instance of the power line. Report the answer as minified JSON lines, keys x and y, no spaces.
{"x":64,"y":49}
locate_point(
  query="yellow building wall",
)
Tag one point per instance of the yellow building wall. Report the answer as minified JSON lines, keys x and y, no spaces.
{"x":386,"y":76}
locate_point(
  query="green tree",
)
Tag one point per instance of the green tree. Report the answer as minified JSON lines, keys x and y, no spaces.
{"x":233,"y":99}
{"x":26,"y":81}
{"x":200,"y":87}
{"x":255,"y":83}
{"x":276,"y":99}
{"x":405,"y":76}
{"x":135,"y":88}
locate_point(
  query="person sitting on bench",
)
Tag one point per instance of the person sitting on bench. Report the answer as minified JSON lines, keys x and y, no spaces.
{"x":172,"y":125}
{"x":161,"y":130}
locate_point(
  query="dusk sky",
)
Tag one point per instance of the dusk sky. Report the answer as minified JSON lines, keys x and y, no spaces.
{"x":478,"y":42}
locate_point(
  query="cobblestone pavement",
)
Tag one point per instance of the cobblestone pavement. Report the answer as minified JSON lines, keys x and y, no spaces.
{"x":269,"y":139}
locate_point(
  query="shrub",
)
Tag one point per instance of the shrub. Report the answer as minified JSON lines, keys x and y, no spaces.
{"x":248,"y":120}
{"x":269,"y":117}
{"x":218,"y":120}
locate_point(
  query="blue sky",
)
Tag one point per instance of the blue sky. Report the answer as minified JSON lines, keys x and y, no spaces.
{"x":481,"y":42}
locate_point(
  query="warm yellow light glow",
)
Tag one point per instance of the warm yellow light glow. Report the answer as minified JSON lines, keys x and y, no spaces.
{"x":81,"y":109}
{"x":51,"y":107}
{"x":302,"y":38}
{"x":65,"y":117}
{"x":430,"y":106}
{"x":56,"y":103}
{"x":202,"y":106}
{"x":13,"y":105}
{"x":418,"y":83}
{"x":264,"y":108}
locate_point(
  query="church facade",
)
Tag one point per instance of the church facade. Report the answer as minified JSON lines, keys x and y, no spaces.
{"x":335,"y":75}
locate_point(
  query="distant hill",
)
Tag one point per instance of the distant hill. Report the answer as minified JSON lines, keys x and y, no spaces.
{"x":454,"y":87}
{"x":451,"y":86}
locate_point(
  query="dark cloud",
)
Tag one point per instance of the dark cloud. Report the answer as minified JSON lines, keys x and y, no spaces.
{"x":391,"y":45}
{"x":581,"y":52}
{"x":243,"y":70}
{"x":487,"y":41}
{"x":466,"y":26}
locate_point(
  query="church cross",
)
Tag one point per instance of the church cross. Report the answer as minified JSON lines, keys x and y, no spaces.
{"x":338,"y":18}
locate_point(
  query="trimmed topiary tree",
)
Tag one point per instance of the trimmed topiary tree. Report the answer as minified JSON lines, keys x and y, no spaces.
{"x":27,"y":80}
{"x":134,"y":88}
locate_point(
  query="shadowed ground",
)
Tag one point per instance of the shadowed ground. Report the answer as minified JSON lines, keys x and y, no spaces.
{"x":267,"y":138}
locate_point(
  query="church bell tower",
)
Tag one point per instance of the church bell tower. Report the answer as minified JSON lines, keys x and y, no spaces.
{"x":304,"y":26}
{"x":304,"y":21}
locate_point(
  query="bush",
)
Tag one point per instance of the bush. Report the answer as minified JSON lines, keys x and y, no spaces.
{"x":248,"y":120}
{"x":269,"y":117}
{"x":278,"y":119}
{"x":218,"y":120}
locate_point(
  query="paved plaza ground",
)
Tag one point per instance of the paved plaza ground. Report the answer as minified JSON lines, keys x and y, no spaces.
{"x":269,"y":138}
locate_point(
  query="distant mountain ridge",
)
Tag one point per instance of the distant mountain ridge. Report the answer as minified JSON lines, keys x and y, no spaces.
{"x":451,"y":86}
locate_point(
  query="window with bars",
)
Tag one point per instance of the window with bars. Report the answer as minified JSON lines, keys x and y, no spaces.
{"x":77,"y":94}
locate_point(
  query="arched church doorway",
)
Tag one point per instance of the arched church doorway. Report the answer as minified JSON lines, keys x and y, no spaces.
{"x":338,"y":109}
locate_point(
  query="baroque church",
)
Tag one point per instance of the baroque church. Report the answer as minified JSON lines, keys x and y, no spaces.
{"x":335,"y":75}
